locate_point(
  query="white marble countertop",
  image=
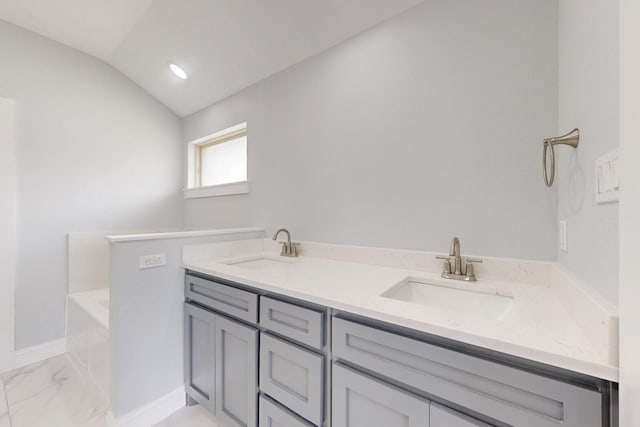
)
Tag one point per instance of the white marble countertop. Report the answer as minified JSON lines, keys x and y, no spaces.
{"x":537,"y":327}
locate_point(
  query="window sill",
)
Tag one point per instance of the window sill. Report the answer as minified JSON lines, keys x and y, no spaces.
{"x":217,"y":190}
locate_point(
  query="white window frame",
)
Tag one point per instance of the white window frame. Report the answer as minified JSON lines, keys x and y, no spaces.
{"x":194,"y":189}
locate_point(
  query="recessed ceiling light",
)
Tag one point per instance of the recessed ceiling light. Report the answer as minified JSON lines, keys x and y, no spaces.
{"x":178,"y":71}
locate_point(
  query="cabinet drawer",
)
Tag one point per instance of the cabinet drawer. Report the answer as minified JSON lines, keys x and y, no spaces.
{"x":441,"y":416}
{"x":223,"y":298}
{"x":294,"y":322}
{"x":273,"y":415}
{"x":362,"y":401}
{"x":500,"y":392}
{"x":292,"y":376}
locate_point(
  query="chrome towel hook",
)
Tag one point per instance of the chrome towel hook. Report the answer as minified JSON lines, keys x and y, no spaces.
{"x":572,"y":139}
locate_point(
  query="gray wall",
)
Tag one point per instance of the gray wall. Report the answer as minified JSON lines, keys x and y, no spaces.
{"x":588,"y":40}
{"x":424,"y":127}
{"x":93,"y":152}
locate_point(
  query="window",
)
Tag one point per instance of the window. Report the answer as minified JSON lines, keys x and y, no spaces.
{"x":218,"y":164}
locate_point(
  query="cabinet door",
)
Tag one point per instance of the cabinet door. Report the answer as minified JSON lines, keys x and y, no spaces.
{"x":361,"y":401}
{"x":199,"y":354}
{"x":447,"y":417}
{"x":236,"y":373}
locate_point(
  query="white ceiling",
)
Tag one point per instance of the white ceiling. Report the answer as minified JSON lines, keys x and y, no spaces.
{"x":224,"y":45}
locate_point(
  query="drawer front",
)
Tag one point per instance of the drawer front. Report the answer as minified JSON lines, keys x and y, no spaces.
{"x":359,"y":400}
{"x":294,"y":322}
{"x":510,"y":395}
{"x":293,"y":376}
{"x":273,"y":415}
{"x":441,"y":416}
{"x":223,"y":298}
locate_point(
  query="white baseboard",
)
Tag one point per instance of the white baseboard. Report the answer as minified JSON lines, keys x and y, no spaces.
{"x":40,"y":352}
{"x":155,"y":411}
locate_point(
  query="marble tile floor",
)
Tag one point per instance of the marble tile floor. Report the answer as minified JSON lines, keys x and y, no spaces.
{"x":4,"y":408}
{"x":52,"y":393}
{"x":193,"y":416}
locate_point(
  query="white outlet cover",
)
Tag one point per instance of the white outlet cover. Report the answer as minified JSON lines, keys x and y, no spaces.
{"x":152,"y":261}
{"x":607,"y":173}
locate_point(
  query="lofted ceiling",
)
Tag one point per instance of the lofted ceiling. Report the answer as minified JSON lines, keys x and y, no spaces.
{"x":224,"y":45}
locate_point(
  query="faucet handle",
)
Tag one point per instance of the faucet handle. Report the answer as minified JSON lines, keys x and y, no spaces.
{"x":469,"y":271}
{"x":446,"y":266}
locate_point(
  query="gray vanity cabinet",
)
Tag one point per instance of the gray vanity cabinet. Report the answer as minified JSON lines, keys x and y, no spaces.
{"x":221,"y":354}
{"x":221,"y":366}
{"x":200,"y":343}
{"x":260,"y":361}
{"x":362,"y":401}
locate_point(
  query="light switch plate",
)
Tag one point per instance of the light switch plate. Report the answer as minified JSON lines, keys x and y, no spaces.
{"x":562,"y":235}
{"x":607,"y":186}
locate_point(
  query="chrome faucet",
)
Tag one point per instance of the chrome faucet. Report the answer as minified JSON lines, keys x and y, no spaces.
{"x":289,"y":248}
{"x":456,"y":274}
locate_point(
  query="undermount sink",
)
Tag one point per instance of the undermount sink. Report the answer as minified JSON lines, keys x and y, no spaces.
{"x":263,"y":264}
{"x":470,"y":299}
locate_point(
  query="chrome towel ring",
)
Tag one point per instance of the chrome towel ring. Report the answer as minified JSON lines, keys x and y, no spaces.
{"x":572,"y":139}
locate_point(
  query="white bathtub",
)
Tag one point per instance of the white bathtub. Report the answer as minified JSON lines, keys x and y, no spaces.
{"x":88,"y":336}
{"x":94,"y":303}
